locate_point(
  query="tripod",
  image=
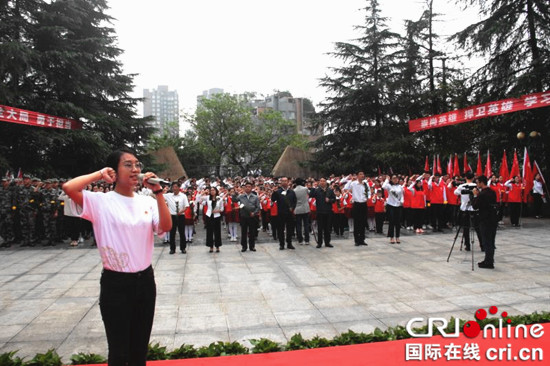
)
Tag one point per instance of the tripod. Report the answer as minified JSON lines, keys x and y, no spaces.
{"x":471,"y":237}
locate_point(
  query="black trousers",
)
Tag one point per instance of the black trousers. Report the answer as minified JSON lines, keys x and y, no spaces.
{"x":359,"y":214}
{"x":394,"y":219}
{"x":178,"y":223}
{"x":302,"y":224}
{"x":213,"y":231}
{"x":73,"y":227}
{"x":285,"y":222}
{"x":537,"y":204}
{"x":488,"y":233}
{"x":127,"y":305}
{"x":248,"y":232}
{"x":515,"y":209}
{"x":438,"y":216}
{"x":379,"y":219}
{"x":324,"y":227}
{"x":339,"y":223}
{"x":418,"y":217}
{"x":465,"y":218}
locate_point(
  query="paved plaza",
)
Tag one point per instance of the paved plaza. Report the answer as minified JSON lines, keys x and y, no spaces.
{"x":49,"y":296}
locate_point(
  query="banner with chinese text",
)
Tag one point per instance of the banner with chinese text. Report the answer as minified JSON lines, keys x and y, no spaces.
{"x":24,"y":117}
{"x":504,"y":106}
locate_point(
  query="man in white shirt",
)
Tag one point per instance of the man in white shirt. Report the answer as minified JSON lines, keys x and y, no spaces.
{"x":177,"y":203}
{"x":360,"y":193}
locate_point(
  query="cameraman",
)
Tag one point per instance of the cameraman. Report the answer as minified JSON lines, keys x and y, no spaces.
{"x":467,"y":212}
{"x":485,"y":200}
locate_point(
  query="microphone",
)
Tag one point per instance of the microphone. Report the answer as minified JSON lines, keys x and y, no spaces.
{"x":160,"y":181}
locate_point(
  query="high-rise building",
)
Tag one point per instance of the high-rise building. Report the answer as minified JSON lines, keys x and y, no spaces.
{"x":298,"y":110}
{"x":163,"y":105}
{"x":208,"y":94}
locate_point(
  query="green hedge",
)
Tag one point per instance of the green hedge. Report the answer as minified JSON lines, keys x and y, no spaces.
{"x":262,"y":345}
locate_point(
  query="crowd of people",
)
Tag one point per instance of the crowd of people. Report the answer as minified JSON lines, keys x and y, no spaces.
{"x":35,"y":212}
{"x":124,"y":208}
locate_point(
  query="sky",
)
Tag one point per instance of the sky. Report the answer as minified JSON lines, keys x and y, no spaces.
{"x":249,"y":45}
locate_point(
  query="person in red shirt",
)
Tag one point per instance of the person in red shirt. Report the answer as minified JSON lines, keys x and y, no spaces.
{"x":265,"y":203}
{"x":418,"y":205}
{"x":515,"y":198}
{"x":453,"y":203}
{"x":407,"y":211}
{"x":338,"y":211}
{"x":273,"y":215}
{"x":379,"y":211}
{"x":438,"y":199}
{"x":497,"y":185}
{"x":231,"y":209}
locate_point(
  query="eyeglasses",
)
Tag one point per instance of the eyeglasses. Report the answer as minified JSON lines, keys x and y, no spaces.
{"x":129,"y":165}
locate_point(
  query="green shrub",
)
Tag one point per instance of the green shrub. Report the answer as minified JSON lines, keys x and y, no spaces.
{"x":222,"y":349}
{"x":10,"y":359}
{"x":87,"y":359}
{"x":296,"y":342}
{"x":156,"y":352}
{"x":50,"y":358}
{"x":264,"y":345}
{"x":184,"y":351}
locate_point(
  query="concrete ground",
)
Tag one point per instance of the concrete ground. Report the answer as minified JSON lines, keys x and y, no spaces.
{"x":49,"y":296}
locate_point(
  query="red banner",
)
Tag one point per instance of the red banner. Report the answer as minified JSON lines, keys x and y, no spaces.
{"x":490,"y":109}
{"x":30,"y":118}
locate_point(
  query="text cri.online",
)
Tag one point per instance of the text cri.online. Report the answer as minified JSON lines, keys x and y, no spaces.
{"x":508,"y":354}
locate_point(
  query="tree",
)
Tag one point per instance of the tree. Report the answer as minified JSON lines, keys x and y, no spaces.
{"x":229,"y":135}
{"x":514,"y":38}
{"x":262,"y":142}
{"x":359,"y":106}
{"x":73,"y":72}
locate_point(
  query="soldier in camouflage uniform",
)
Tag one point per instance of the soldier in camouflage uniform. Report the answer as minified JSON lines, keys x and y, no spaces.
{"x":60,"y":220}
{"x":48,"y":208}
{"x":27,"y":205}
{"x":6,"y":215}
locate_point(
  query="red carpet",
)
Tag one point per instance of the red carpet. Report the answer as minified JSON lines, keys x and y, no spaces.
{"x":457,"y":351}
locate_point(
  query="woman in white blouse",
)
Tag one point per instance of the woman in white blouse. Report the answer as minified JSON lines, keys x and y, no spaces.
{"x":214,"y":209}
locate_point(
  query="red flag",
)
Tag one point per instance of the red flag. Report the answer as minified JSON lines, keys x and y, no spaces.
{"x":527,"y":175}
{"x":434,"y":166}
{"x":479,"y":169}
{"x":379,"y":171}
{"x":504,"y":167}
{"x":439,"y":170}
{"x":466,"y":166}
{"x":19,"y":174}
{"x":450,"y":166}
{"x":515,"y":166}
{"x":488,"y":170}
{"x":456,"y":169}
{"x":427,"y":165}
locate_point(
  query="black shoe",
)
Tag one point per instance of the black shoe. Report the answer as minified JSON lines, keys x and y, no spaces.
{"x":281,"y":248}
{"x":319,"y":246}
{"x":243,"y":250}
{"x":357,"y":244}
{"x":363,"y":243}
{"x":329,"y":245}
{"x":485,"y":265}
{"x":467,"y":249}
{"x":172,"y":251}
{"x":290,"y":246}
{"x":252,"y":249}
{"x":183,"y":251}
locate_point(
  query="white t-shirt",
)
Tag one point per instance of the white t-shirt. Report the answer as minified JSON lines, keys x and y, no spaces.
{"x":124,"y":228}
{"x":172,"y":199}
